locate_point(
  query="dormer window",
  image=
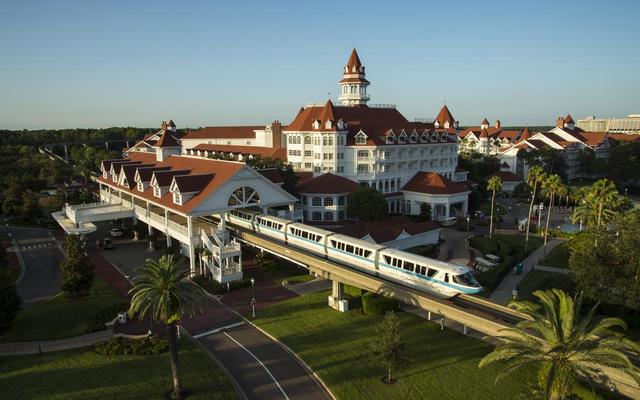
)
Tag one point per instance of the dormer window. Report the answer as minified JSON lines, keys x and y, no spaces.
{"x":157,"y":192}
{"x":115,"y":178}
{"x":424,"y":138}
{"x":177,"y":198}
{"x":402,"y":138}
{"x":361,"y":138}
{"x":316,"y":124}
{"x":413,"y":138}
{"x":328,"y":124}
{"x":434,"y":137}
{"x":391,"y":138}
{"x":140,"y":186}
{"x":342,"y":124}
{"x":436,"y":124}
{"x":105,"y":174}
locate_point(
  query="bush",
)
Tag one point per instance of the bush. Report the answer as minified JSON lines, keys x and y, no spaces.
{"x":375,"y":304}
{"x":121,"y":346}
{"x":353,"y":291}
{"x":105,"y":315}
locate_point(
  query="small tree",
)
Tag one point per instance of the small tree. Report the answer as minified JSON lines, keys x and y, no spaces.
{"x":367,"y":204}
{"x":10,"y":302}
{"x":76,"y":270}
{"x":389,"y":346}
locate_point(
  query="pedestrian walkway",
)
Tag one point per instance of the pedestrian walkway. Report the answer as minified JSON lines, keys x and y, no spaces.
{"x":47,"y":346}
{"x":313,"y":286}
{"x":504,"y":291}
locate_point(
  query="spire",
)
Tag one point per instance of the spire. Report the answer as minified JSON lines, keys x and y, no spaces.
{"x":444,"y":118}
{"x":484,"y":133}
{"x":568,"y":119}
{"x":167,"y":140}
{"x":328,"y":112}
{"x":525,"y":135}
{"x":485,"y":122}
{"x":353,"y":86}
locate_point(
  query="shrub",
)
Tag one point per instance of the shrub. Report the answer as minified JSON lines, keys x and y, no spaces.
{"x":214,"y":287}
{"x":120,"y":346}
{"x":353,"y":291}
{"x":375,"y":304}
{"x":105,"y":315}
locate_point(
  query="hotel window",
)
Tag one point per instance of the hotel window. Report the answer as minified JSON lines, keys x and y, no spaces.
{"x":317,"y":202}
{"x":307,"y":165}
{"x":316,"y":216}
{"x":330,"y":140}
{"x":340,"y":170}
{"x":317,"y":156}
{"x":307,"y":140}
{"x":328,"y":216}
{"x":307,"y":153}
{"x":140,"y":186}
{"x":325,"y":141}
{"x":156,"y":191}
{"x":341,"y":215}
{"x":327,"y":156}
{"x":304,"y":200}
{"x":341,"y":200}
{"x":177,"y":198}
{"x":328,"y":201}
{"x":340,"y":156}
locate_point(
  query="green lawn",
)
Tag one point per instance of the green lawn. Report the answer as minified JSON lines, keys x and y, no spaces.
{"x":279,"y":271}
{"x":510,"y":248}
{"x":558,"y":257}
{"x":440,"y":364}
{"x":62,"y":316}
{"x":82,"y":374}
{"x":542,"y":280}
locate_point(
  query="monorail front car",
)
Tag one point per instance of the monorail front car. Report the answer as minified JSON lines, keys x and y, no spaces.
{"x":422,"y":273}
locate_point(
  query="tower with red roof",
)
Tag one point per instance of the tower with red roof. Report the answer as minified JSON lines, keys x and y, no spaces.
{"x":353,"y":86}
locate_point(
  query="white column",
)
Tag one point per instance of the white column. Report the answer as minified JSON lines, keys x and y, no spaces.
{"x":192,"y":258}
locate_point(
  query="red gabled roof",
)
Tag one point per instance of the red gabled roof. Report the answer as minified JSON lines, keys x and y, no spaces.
{"x":526,"y":134}
{"x":328,"y":113}
{"x":165,"y":177}
{"x":507,"y":176}
{"x":445,"y":115}
{"x":272,"y":174}
{"x":327,"y":184}
{"x":224,"y":132}
{"x":484,"y":122}
{"x":192,"y":183}
{"x":568,"y":119}
{"x":624,"y":137}
{"x":433,"y":183}
{"x":167,"y":140}
{"x":484,"y":133}
{"x":387,"y":229}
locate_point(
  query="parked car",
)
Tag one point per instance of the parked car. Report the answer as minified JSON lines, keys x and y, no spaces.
{"x":107,"y":244}
{"x":116,"y":232}
{"x":449,"y":221}
{"x":478,"y":214}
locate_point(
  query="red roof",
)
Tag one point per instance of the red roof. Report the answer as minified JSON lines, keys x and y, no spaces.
{"x":568,"y":119}
{"x":167,"y":140}
{"x":221,"y":172}
{"x":445,"y":116}
{"x":623,"y":137}
{"x":327,"y":184}
{"x":354,"y":60}
{"x":526,"y":134}
{"x":484,"y":133}
{"x":192,"y":183}
{"x":223,"y":132}
{"x":388,"y":229}
{"x":272,"y":174}
{"x":433,"y":183}
{"x":484,"y":122}
{"x":507,"y":176}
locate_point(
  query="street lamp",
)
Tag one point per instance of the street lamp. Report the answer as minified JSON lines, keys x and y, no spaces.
{"x":253,"y":299}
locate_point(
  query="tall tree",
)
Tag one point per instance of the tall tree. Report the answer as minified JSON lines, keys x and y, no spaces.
{"x":10,"y":302}
{"x":599,"y":204}
{"x":552,"y":186}
{"x":534,"y":178}
{"x":367,"y":204}
{"x":567,"y":346}
{"x":77,"y":272}
{"x":162,"y":290}
{"x":388,"y":348}
{"x":494,"y":184}
{"x":604,"y":193}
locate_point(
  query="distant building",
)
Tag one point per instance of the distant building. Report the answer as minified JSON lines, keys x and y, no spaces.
{"x":397,"y":231}
{"x":628,"y":125}
{"x":486,"y":139}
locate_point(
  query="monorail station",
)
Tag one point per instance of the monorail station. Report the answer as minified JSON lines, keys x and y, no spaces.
{"x":183,"y":197}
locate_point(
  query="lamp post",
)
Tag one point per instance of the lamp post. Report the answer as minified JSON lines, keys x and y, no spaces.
{"x":540,"y":214}
{"x":467,"y":237}
{"x":253,"y":299}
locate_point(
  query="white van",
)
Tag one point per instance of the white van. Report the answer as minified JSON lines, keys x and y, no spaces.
{"x":449,"y":221}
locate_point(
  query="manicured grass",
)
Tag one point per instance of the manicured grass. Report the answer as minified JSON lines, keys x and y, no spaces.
{"x":439,"y":364}
{"x":62,"y":316}
{"x":558,"y":257}
{"x":510,"y":248}
{"x":279,"y":271}
{"x":83,"y":374}
{"x":543,"y":280}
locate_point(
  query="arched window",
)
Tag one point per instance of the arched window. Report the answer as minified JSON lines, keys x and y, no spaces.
{"x":316,"y":216}
{"x":328,"y":201}
{"x":307,"y":139}
{"x":317,"y":202}
{"x":244,"y":196}
{"x":328,"y":216}
{"x":341,"y":216}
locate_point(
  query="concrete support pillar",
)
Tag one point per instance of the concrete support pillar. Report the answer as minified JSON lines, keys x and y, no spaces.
{"x":446,"y":210}
{"x":106,"y":145}
{"x":464,"y":330}
{"x":66,"y":152}
{"x":127,"y":142}
{"x":223,"y":221}
{"x":336,"y":299}
{"x":168,"y":240}
{"x":150,"y":229}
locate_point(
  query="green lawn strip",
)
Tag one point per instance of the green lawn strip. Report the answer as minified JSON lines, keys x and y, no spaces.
{"x":279,"y":271}
{"x":543,"y":280}
{"x":62,"y":316}
{"x":440,"y":364}
{"x":558,"y":257}
{"x":510,"y":248}
{"x":83,"y":374}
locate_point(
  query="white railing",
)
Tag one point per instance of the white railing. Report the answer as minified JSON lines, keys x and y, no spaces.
{"x":381,"y":105}
{"x":141,"y":210}
{"x":364,"y":159}
{"x":126,"y":203}
{"x":155,"y":217}
{"x":178,"y":227}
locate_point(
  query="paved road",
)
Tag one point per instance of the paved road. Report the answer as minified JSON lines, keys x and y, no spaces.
{"x":41,"y":256}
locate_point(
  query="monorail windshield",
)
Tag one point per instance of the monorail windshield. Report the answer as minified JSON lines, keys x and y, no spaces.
{"x":466,"y":280}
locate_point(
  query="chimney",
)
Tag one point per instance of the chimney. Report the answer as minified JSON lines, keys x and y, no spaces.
{"x":276,"y":132}
{"x":497,"y":125}
{"x":560,"y":122}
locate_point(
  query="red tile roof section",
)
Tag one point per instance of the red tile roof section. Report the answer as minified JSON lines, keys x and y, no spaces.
{"x":167,"y":140}
{"x":192,"y":183}
{"x":507,"y":176}
{"x":354,"y":60}
{"x":387,"y":229}
{"x":433,"y":183}
{"x":445,"y":115}
{"x":279,"y":153}
{"x":224,"y":132}
{"x":327,"y":184}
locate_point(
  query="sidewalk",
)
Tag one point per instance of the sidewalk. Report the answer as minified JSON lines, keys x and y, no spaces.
{"x":504,"y":291}
{"x":46,"y":346}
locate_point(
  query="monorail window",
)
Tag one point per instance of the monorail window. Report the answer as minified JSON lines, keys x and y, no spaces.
{"x":431,"y":272}
{"x":408,"y":266}
{"x":423,"y":270}
{"x":349,"y":248}
{"x":387,"y":259}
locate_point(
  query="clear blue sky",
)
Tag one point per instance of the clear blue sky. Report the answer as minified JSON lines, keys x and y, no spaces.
{"x":134,"y":63}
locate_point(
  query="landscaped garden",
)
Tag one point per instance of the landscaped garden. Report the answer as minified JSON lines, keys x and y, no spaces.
{"x":64,"y":316}
{"x":440,"y":364}
{"x":542,"y":280}
{"x":84,"y":374}
{"x":510,"y":249}
{"x":558,"y":257}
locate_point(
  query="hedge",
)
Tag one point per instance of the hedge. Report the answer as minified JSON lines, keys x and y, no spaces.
{"x":375,"y":304}
{"x":213,"y":287}
{"x":121,"y":346}
{"x":105,"y":315}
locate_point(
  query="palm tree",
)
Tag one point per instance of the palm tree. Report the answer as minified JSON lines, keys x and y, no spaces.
{"x":604,"y":193}
{"x":566,"y":349}
{"x":494,"y":184}
{"x":552,"y":186}
{"x":162,"y":290}
{"x":206,"y":253}
{"x":534,"y":178}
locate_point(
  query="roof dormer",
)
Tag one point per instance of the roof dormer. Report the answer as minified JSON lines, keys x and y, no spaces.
{"x":361,"y":138}
{"x":390,"y":137}
{"x":414,"y":137}
{"x":402,"y":137}
{"x":424,"y":138}
{"x":316,"y":124}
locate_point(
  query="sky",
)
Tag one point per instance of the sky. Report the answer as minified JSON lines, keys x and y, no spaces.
{"x":82,"y":64}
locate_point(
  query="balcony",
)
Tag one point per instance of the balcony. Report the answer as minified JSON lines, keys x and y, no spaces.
{"x":364,"y":159}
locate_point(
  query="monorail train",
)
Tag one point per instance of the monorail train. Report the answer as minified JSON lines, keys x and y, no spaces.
{"x":422,"y":273}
